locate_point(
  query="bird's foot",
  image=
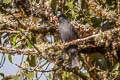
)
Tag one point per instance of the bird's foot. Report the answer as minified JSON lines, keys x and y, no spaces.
{"x":55,"y":19}
{"x":73,"y":40}
{"x":63,"y":44}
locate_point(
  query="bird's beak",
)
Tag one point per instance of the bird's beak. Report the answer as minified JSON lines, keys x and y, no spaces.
{"x":55,"y":18}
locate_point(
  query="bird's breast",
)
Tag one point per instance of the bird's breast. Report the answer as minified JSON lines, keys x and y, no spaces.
{"x":65,"y":35}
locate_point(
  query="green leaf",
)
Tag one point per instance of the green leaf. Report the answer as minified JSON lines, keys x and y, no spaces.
{"x":10,"y":58}
{"x":32,"y":61}
{"x":30,"y":75}
{"x":70,"y":4}
{"x":30,"y":36}
{"x":50,"y":76}
{"x":14,"y":40}
{"x":15,"y":77}
{"x":29,"y":44}
{"x":7,"y":1}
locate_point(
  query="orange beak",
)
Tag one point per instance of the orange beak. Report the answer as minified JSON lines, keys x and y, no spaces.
{"x":55,"y":19}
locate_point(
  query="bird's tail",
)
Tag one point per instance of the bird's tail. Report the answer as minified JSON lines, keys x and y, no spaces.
{"x":72,"y":51}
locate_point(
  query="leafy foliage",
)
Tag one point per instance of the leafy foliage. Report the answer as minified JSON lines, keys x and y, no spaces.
{"x":25,"y":24}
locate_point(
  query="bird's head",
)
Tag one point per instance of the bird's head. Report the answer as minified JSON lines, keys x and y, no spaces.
{"x":60,"y":18}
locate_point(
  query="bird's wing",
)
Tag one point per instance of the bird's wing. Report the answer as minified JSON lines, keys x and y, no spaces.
{"x":73,"y":33}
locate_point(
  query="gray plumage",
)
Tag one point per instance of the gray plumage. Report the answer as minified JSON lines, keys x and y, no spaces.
{"x":67,"y":34}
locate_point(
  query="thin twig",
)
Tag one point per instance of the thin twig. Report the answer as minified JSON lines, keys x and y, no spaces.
{"x":32,"y":70}
{"x":12,"y":32}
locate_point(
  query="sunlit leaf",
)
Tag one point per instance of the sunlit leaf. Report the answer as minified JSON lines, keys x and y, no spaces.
{"x":29,"y":75}
{"x":10,"y":58}
{"x":7,"y":1}
{"x":50,"y":76}
{"x":70,"y":4}
{"x":30,"y":36}
{"x":15,"y":77}
{"x":14,"y":40}
{"x":29,"y":44}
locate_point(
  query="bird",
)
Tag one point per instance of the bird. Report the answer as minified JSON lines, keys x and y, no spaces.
{"x":67,"y":33}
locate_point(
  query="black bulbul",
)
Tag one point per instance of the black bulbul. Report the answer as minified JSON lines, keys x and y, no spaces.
{"x":67,"y":34}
